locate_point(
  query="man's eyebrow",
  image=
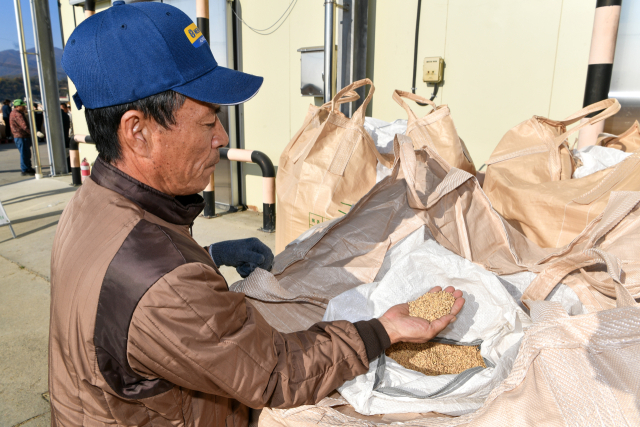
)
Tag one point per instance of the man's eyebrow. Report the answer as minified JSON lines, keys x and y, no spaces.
{"x":215,"y":108}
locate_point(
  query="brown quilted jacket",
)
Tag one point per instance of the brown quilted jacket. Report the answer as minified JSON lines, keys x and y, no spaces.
{"x":144,"y":331}
{"x":19,"y":125}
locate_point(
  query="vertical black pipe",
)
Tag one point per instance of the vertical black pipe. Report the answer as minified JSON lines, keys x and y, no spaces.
{"x":74,"y":154}
{"x":236,"y":66}
{"x":268,"y":217}
{"x":360,"y":27}
{"x":415,"y":49}
{"x":203,"y":25}
{"x":268,"y":192}
{"x":89,"y":8}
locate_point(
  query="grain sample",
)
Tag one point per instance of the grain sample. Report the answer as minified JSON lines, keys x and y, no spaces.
{"x":432,"y":306}
{"x":435,"y":358}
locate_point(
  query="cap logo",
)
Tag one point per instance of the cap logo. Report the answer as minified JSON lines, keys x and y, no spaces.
{"x":195,"y":35}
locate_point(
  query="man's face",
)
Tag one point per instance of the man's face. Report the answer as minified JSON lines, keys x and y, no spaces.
{"x":64,"y":108}
{"x":21,"y":108}
{"x":186,"y":154}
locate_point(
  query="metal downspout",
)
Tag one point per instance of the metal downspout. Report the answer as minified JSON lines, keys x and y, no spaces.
{"x":49,"y":90}
{"x":209,"y":193}
{"x":328,"y":49}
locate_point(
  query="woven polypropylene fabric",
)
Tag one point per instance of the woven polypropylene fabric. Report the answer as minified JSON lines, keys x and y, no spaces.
{"x":570,"y":371}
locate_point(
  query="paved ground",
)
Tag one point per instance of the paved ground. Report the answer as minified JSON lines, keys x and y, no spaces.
{"x":10,"y":163}
{"x":34,"y":207}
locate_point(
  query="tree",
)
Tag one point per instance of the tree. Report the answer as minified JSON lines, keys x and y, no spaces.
{"x":13,"y":88}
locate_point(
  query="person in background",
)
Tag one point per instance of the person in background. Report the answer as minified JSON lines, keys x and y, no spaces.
{"x":66,"y":127}
{"x":6,"y":112}
{"x":66,"y":123}
{"x":39,"y":115}
{"x":22,"y":136}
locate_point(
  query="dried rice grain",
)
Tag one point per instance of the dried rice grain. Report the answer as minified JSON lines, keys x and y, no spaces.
{"x":432,"y":306}
{"x":435,"y":358}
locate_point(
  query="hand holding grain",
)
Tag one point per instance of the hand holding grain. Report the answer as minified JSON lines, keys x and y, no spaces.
{"x":402,"y":327}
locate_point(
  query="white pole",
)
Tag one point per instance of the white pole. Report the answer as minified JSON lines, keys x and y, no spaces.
{"x":27,"y":87}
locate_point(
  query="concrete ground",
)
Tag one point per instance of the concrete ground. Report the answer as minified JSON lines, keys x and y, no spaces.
{"x":10,"y":163}
{"x":34,"y":207}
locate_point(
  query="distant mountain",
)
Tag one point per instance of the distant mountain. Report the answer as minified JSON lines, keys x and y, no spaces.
{"x":10,"y":63}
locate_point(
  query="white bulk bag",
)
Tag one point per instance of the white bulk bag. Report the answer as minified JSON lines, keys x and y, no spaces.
{"x":490,"y":318}
{"x":382,"y":134}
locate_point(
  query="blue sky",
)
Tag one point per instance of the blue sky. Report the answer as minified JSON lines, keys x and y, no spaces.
{"x":9,"y":31}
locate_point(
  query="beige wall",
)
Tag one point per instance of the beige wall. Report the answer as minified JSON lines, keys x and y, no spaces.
{"x":506,"y":60}
{"x":277,"y":111}
{"x":77,"y":116}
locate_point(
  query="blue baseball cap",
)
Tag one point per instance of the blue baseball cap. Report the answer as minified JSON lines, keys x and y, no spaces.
{"x":132,"y":51}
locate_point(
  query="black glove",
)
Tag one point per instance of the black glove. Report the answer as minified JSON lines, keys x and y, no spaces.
{"x":244,"y":254}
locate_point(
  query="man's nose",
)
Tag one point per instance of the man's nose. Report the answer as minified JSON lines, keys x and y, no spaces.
{"x":221,"y":138}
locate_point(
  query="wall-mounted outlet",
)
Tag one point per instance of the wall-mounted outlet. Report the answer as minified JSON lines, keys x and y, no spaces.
{"x":433,"y":69}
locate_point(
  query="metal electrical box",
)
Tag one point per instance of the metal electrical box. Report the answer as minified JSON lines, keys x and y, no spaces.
{"x":312,"y":70}
{"x":432,"y":69}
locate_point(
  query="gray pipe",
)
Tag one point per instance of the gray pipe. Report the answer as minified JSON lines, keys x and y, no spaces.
{"x":49,"y":89}
{"x":328,"y":50}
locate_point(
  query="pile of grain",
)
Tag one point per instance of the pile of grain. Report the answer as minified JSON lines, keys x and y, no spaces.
{"x":432,"y":306}
{"x":434,"y":358}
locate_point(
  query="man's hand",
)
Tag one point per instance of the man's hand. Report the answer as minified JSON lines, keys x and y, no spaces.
{"x":244,"y":254}
{"x":404,"y":328}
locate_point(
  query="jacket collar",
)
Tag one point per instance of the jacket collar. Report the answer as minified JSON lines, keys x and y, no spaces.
{"x":180,"y":210}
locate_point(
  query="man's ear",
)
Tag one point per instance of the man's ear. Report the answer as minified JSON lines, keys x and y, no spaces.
{"x":131,"y":134}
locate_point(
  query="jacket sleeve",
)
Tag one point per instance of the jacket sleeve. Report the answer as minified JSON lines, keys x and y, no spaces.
{"x":192,"y":331}
{"x":20,"y":123}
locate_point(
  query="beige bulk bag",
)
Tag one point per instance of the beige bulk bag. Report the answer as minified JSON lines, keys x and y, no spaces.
{"x":550,"y":374}
{"x":459,"y":214}
{"x":629,"y":141}
{"x":529,"y":178}
{"x":436,"y":131}
{"x":461,"y":218}
{"x":582,"y":265}
{"x":328,"y":166}
{"x":423,"y":190}
{"x":570,"y":371}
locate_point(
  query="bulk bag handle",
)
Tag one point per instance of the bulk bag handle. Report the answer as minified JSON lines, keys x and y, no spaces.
{"x":349,"y":96}
{"x":621,"y":203}
{"x":609,"y":106}
{"x":399,"y":94}
{"x":347,"y":145}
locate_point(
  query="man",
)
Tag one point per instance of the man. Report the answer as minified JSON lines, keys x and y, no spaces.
{"x":144,"y":330}
{"x":22,"y":136}
{"x":6,"y":112}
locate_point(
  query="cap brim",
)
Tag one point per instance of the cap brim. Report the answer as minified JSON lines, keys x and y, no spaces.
{"x":222,"y":86}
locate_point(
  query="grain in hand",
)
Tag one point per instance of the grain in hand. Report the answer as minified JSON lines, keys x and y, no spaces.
{"x":435,"y":358}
